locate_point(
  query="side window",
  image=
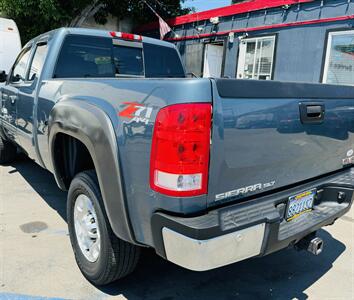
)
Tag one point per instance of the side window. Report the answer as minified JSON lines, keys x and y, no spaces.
{"x":19,"y":70}
{"x":38,"y":61}
{"x":256,"y":58}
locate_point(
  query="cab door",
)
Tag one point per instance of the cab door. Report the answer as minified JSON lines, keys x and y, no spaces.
{"x":27,"y":95}
{"x":9,"y":94}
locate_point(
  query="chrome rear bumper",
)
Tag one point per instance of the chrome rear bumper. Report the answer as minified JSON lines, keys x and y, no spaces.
{"x":252,"y":228}
{"x":202,"y":255}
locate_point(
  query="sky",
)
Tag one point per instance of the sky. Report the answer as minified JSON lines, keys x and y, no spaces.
{"x":202,"y":5}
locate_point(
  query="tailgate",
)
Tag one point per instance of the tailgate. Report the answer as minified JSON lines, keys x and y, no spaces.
{"x":268,"y":135}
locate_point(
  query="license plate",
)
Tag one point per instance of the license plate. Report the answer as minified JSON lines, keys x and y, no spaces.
{"x":300,"y":204}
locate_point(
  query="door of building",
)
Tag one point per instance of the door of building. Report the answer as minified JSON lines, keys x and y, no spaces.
{"x":213,"y":58}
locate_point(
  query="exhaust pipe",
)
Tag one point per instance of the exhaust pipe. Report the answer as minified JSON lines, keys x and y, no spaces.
{"x":312,"y":244}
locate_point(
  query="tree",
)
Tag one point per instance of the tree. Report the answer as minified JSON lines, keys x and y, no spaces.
{"x":37,"y":16}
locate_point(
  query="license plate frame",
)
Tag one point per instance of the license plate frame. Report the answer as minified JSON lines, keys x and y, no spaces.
{"x":300,"y":204}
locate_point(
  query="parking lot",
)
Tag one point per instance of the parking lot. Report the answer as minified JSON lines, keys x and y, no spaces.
{"x":36,"y":259}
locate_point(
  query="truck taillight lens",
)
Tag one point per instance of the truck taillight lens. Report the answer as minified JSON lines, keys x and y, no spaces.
{"x":180,"y":150}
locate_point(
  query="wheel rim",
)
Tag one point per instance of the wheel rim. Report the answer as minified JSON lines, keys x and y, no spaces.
{"x":86,"y":228}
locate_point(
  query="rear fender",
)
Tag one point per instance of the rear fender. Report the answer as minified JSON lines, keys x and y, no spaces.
{"x":94,"y":129}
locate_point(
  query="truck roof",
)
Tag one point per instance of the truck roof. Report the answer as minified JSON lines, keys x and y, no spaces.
{"x":95,"y":32}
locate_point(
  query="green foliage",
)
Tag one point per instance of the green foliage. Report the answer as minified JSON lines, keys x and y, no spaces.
{"x":34,"y":17}
{"x":139,"y":11}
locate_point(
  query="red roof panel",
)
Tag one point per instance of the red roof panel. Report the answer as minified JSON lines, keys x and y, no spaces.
{"x":240,"y":8}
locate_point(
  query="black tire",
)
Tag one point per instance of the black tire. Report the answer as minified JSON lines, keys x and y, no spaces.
{"x":117,"y":258}
{"x":8,"y":151}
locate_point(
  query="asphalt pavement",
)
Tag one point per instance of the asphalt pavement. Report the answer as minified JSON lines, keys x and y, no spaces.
{"x":36,"y":260}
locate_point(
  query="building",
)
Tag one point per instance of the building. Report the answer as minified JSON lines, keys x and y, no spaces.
{"x":86,"y":19}
{"x":291,"y":40}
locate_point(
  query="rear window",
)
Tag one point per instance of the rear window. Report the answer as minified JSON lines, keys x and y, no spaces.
{"x":128,"y":60}
{"x":88,"y":56}
{"x":84,"y":57}
{"x":162,"y":62}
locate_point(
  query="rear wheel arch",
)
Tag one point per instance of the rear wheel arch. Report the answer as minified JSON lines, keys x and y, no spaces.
{"x":92,"y":132}
{"x":70,"y":156}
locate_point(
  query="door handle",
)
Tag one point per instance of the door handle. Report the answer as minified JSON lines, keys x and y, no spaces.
{"x":13,"y":99}
{"x":312,"y":112}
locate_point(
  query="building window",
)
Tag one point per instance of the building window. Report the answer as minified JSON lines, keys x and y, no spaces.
{"x":256,"y":57}
{"x":339,"y":64}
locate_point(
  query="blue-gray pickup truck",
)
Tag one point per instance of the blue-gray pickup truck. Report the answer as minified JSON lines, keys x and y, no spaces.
{"x":207,"y":172}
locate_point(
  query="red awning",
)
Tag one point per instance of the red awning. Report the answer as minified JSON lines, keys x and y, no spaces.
{"x":240,"y":8}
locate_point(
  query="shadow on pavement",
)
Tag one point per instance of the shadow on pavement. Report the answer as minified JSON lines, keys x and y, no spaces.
{"x":43,"y":183}
{"x":283,"y":275}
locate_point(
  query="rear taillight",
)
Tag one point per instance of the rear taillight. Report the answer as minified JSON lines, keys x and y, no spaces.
{"x":180,"y":150}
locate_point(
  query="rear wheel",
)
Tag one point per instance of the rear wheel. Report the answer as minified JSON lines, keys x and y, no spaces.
{"x":101,"y":256}
{"x":8,"y":151}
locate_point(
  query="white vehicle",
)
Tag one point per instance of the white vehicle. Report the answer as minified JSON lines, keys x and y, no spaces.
{"x":10,"y":43}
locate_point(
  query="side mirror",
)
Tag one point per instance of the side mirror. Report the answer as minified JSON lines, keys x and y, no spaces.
{"x":3,"y":76}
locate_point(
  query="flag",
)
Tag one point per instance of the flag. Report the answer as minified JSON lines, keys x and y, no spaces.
{"x":164,"y":28}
